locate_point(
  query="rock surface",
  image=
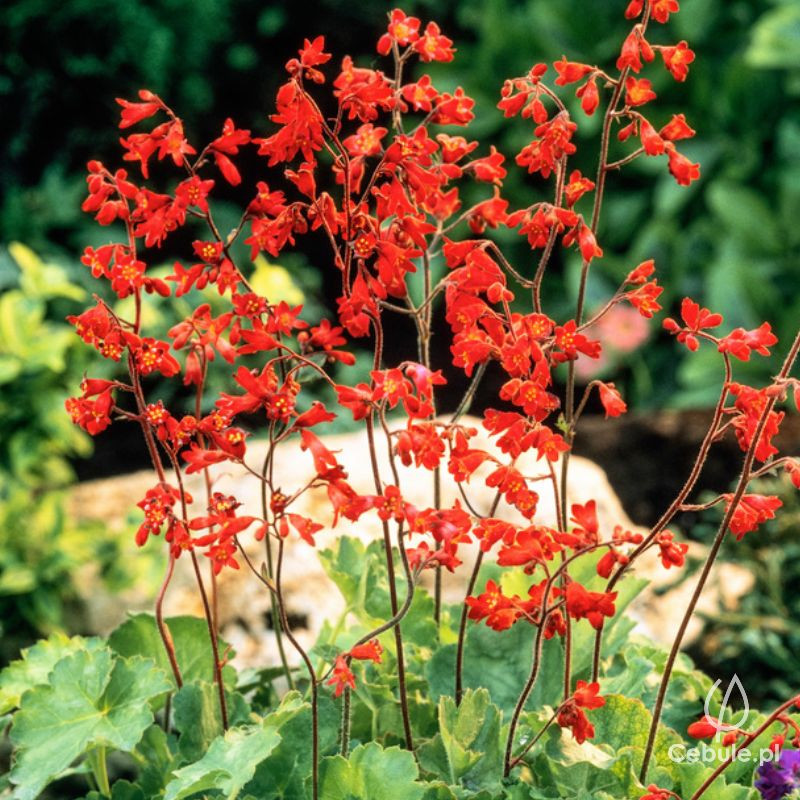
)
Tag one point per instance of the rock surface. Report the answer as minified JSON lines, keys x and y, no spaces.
{"x":243,"y":604}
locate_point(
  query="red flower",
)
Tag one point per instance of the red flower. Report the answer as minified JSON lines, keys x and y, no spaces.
{"x":403,"y":30}
{"x":681,"y":168}
{"x":569,"y":71}
{"x":638,"y":91}
{"x":695,"y":319}
{"x":576,"y":187}
{"x":369,"y":651}
{"x":611,"y":399}
{"x":433,"y":46}
{"x":593,"y":606}
{"x":677,"y":60}
{"x":576,"y":720}
{"x":740,"y":343}
{"x":654,"y":793}
{"x":705,"y":728}
{"x":586,"y":695}
{"x":492,"y":605}
{"x":752,"y":510}
{"x":341,"y":677}
{"x":672,"y":553}
{"x":589,"y":96}
{"x":663,"y":8}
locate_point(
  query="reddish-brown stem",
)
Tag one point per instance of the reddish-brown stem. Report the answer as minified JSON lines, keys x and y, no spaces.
{"x":741,"y":487}
{"x":673,"y":508}
{"x":212,"y":632}
{"x":166,"y":636}
{"x":388,"y":553}
{"x":311,"y":674}
{"x":751,"y":737}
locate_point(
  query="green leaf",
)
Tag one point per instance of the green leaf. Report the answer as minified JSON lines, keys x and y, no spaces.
{"x":93,"y":699}
{"x":121,"y":790}
{"x":139,"y":636}
{"x":34,"y":668}
{"x":38,"y":279}
{"x":156,"y":760}
{"x":360,"y":574}
{"x":198,"y":719}
{"x":285,"y":774}
{"x":499,"y":662}
{"x":228,"y":765}
{"x":467,"y":751}
{"x":371,"y":773}
{"x":776,"y":39}
{"x":344,"y":565}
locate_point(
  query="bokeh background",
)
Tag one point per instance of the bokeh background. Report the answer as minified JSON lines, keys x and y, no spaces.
{"x":732,"y":239}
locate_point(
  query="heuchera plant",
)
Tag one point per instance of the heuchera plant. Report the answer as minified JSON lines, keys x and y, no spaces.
{"x":392,"y":207}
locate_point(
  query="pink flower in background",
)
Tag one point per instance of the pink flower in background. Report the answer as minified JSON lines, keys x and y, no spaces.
{"x":621,"y":330}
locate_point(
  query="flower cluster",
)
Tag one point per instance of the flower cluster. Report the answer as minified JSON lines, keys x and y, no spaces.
{"x":381,"y":180}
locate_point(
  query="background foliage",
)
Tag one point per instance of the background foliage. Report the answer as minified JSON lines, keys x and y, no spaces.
{"x":731,"y":240}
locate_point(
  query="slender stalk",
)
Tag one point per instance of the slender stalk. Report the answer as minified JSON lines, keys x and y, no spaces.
{"x":97,"y":760}
{"x":751,"y":737}
{"x":462,"y":630}
{"x":166,"y":636}
{"x":311,"y":674}
{"x":462,"y":625}
{"x":741,"y":487}
{"x":526,"y":690}
{"x":663,"y":521}
{"x":345,"y":732}
{"x":398,"y":636}
{"x":223,"y":703}
{"x":273,"y":608}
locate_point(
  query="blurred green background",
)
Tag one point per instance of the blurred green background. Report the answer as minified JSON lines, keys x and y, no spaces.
{"x":732,"y":239}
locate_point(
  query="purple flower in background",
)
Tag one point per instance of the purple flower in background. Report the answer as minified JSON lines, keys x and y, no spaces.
{"x":778,"y":778}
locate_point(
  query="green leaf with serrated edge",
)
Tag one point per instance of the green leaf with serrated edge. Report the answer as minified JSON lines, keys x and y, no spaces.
{"x":371,"y":773}
{"x":624,"y":723}
{"x":156,"y":758}
{"x":499,"y":662}
{"x":344,"y":565}
{"x":438,"y":791}
{"x":121,"y":790}
{"x":93,"y":699}
{"x":228,"y":765}
{"x":467,"y":751}
{"x":570,"y":768}
{"x":139,"y":636}
{"x":691,"y":777}
{"x":360,"y":574}
{"x":286,"y":773}
{"x":35,"y":665}
{"x":198,"y":719}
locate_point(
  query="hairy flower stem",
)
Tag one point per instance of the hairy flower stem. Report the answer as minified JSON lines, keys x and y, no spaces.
{"x":709,"y":563}
{"x":673,"y":508}
{"x":273,"y":608}
{"x":164,"y":632}
{"x":527,"y":689}
{"x":311,"y":674}
{"x":747,"y":741}
{"x":212,"y":631}
{"x":345,"y":732}
{"x":223,"y":704}
{"x":398,"y":636}
{"x":387,"y":546}
{"x":462,"y":629}
{"x":462,"y":626}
